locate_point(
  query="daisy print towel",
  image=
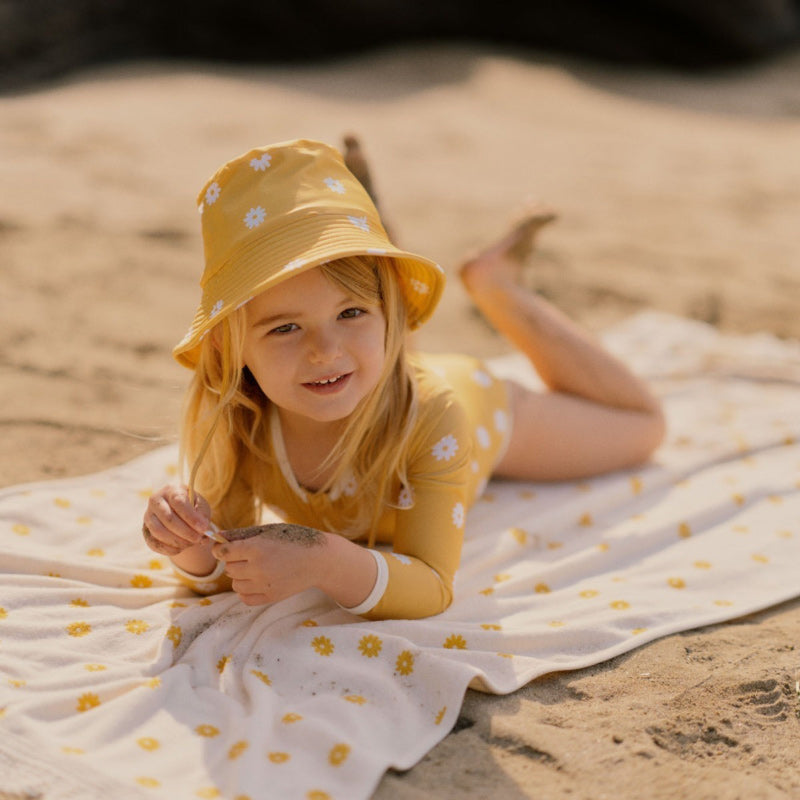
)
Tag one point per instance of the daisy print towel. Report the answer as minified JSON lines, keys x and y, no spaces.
{"x":117,"y":682}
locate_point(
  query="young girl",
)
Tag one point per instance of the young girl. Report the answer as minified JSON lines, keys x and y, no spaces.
{"x":305,"y":399}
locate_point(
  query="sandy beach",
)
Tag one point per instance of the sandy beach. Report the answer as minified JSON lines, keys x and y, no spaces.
{"x":675,"y":192}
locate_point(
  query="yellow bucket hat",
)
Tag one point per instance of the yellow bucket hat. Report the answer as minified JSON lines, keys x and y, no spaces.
{"x":280,"y":210}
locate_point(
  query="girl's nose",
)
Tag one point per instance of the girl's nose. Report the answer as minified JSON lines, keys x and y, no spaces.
{"x":324,"y":346}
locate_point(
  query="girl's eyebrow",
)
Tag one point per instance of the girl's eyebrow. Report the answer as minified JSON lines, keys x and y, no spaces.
{"x":273,"y":318}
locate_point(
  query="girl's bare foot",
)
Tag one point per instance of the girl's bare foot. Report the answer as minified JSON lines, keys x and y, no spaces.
{"x":356,"y":162}
{"x":503,"y":260}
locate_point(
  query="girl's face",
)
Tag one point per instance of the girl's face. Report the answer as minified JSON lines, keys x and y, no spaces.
{"x":314,"y":350}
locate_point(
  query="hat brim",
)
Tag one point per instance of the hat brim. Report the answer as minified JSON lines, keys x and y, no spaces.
{"x":270,"y":260}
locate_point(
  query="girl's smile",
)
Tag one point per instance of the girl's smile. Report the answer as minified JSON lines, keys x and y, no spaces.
{"x":314,"y":350}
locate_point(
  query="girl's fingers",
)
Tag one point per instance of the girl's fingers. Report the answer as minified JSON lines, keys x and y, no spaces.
{"x":157,"y":545}
{"x":169,"y":517}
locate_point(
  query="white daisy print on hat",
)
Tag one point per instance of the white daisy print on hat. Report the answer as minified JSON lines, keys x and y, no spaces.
{"x":360,"y":223}
{"x":215,"y":309}
{"x":445,"y":448}
{"x":261,"y":164}
{"x":482,"y":378}
{"x":254,"y":217}
{"x":420,"y":287}
{"x":212,"y":194}
{"x":334,"y":185}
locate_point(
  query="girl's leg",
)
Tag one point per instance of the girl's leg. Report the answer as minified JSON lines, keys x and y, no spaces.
{"x":597,"y":416}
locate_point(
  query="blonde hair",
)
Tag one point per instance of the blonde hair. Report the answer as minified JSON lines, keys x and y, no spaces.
{"x":225,"y":433}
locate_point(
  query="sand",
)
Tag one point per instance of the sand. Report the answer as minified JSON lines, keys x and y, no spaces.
{"x":677,"y":193}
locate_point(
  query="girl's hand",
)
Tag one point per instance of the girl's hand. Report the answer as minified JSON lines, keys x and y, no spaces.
{"x":272,"y":564}
{"x":268,"y":563}
{"x":172,"y":524}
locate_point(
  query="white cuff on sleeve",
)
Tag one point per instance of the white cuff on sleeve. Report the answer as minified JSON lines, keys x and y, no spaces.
{"x":212,"y":576}
{"x":374,"y":597}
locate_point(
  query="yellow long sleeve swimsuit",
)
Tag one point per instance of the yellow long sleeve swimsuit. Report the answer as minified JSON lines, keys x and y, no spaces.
{"x":461,"y":431}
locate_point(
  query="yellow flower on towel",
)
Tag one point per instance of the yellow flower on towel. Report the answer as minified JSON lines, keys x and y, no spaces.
{"x":222,"y":663}
{"x":290,"y":718}
{"x":95,"y":667}
{"x":237,"y":749}
{"x":175,"y":634}
{"x":405,"y":663}
{"x":370,"y":646}
{"x":684,"y":530}
{"x":455,"y":642}
{"x":88,"y":701}
{"x":96,"y":552}
{"x":3,"y":613}
{"x":323,"y":645}
{"x":208,"y":793}
{"x":437,"y":720}
{"x":759,"y":558}
{"x":317,"y":794}
{"x":147,"y":782}
{"x":356,"y":699}
{"x":136,"y":626}
{"x":519,"y":535}
{"x":79,"y":602}
{"x":338,"y":754}
{"x":148,"y":743}
{"x":620,"y":605}
{"x":277,"y":757}
{"x":209,"y":731}
{"x":541,"y":588}
{"x":79,"y":629}
{"x":20,"y":529}
{"x":62,"y":502}
{"x":141,"y":582}
{"x":262,"y":676}
{"x":677,"y":583}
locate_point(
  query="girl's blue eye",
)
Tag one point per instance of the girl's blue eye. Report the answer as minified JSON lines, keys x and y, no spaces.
{"x":287,"y":328}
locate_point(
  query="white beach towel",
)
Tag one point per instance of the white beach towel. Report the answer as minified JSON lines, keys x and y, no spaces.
{"x":116,"y":682}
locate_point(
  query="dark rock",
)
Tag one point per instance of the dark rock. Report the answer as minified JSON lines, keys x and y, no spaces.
{"x":45,"y":39}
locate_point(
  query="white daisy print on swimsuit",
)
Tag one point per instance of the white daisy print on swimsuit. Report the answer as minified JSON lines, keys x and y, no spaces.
{"x":254,"y":217}
{"x":261,"y":164}
{"x":350,"y":486}
{"x":458,"y":515}
{"x":482,"y":378}
{"x":360,"y":223}
{"x":401,"y":558}
{"x":334,"y":185}
{"x":500,"y":420}
{"x":212,"y":194}
{"x":482,"y":435}
{"x":445,"y":448}
{"x":406,"y":497}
